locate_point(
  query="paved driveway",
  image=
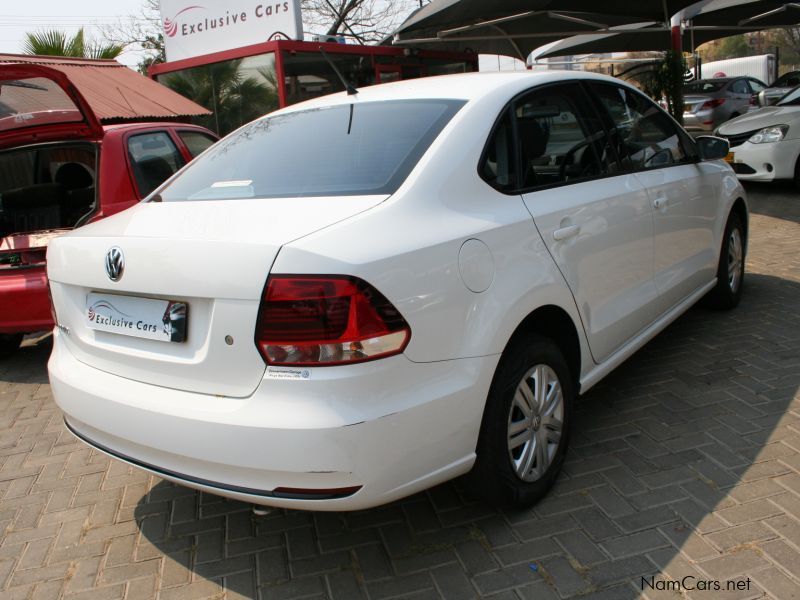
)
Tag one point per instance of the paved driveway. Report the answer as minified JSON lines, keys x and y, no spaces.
{"x":684,"y":469}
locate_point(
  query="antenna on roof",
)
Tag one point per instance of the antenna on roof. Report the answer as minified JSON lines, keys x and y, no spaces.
{"x":351,"y":90}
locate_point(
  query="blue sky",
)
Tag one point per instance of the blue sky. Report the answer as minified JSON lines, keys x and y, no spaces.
{"x":17,"y":18}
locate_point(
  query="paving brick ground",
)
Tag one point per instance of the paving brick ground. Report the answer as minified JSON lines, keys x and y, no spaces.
{"x":685,"y":464}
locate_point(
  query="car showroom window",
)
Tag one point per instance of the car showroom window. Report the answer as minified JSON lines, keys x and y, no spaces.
{"x":646,"y":138}
{"x":154,"y":158}
{"x":499,"y":165}
{"x":560,"y":140}
{"x":341,"y":150}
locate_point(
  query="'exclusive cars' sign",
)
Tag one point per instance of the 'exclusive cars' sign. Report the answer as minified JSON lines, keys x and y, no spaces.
{"x":215,"y":25}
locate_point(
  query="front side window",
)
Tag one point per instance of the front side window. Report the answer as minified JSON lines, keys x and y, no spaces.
{"x":343,"y":150}
{"x":154,"y":159}
{"x":646,"y":138}
{"x":560,"y":139}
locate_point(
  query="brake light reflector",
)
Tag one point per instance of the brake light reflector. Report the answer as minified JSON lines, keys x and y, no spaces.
{"x":713,"y":103}
{"x":327,"y":320}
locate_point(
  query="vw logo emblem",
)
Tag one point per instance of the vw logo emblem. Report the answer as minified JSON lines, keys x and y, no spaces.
{"x":115,"y":264}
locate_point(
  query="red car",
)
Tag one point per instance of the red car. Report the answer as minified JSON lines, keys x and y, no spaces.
{"x":59,"y":169}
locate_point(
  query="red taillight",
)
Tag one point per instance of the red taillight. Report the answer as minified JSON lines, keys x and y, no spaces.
{"x":713,"y":103}
{"x":327,"y":320}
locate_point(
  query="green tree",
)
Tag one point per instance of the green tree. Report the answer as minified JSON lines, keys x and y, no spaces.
{"x":234,"y":97}
{"x":54,"y":42}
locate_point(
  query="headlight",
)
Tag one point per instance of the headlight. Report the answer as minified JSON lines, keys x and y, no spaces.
{"x":769,"y":134}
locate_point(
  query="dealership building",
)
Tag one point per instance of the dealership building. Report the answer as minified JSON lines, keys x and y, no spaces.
{"x":241,"y":60}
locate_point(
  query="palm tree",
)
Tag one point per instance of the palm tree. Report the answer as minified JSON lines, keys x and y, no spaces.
{"x":54,"y":42}
{"x":233,"y":96}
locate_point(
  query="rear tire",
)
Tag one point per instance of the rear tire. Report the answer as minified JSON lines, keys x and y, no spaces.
{"x":797,"y":173}
{"x":730,"y":270}
{"x":525,"y":430}
{"x":9,"y":344}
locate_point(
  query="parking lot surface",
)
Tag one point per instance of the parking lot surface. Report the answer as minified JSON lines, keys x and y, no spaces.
{"x":683,"y":480}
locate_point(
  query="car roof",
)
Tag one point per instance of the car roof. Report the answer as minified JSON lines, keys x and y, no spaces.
{"x":150,"y":124}
{"x":462,"y":86}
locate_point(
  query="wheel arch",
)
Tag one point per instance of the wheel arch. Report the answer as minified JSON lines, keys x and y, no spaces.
{"x":554,"y":323}
{"x":740,"y":209}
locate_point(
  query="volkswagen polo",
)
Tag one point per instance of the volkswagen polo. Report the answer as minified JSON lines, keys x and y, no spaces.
{"x":359,"y":297}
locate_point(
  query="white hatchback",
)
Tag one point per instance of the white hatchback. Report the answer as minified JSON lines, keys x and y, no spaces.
{"x":359,"y":297}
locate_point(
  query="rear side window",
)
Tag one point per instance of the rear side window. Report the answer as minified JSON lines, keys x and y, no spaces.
{"x":196,"y":141}
{"x":645,"y":137}
{"x":350,"y":149}
{"x":499,"y":165}
{"x":740,"y":87}
{"x":154,"y":158}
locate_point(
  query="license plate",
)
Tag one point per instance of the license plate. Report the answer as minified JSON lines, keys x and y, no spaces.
{"x":148,"y":318}
{"x":729,"y":158}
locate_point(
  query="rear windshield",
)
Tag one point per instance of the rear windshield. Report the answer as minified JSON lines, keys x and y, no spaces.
{"x":352,"y":149}
{"x":34,"y":101}
{"x":704,"y":86}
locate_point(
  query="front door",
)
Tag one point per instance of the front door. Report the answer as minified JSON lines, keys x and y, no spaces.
{"x":597,"y":225}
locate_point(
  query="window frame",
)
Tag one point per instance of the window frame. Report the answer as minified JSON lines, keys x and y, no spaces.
{"x":510,"y":107}
{"x":606,"y":121}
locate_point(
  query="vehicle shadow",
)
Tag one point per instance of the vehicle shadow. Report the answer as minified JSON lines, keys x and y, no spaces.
{"x":669,"y":451}
{"x":26,"y":364}
{"x":780,"y":200}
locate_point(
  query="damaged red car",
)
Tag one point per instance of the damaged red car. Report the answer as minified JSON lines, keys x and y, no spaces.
{"x":61,"y":168}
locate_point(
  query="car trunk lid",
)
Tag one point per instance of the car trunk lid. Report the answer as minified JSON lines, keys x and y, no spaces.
{"x":214,"y":256}
{"x":40,"y":104}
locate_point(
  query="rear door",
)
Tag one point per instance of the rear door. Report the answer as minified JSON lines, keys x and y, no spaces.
{"x":596,"y":221}
{"x":40,"y":104}
{"x":682,"y":190}
{"x":740,"y":94}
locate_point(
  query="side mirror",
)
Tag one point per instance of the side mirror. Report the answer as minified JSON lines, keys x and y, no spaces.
{"x":712,"y":147}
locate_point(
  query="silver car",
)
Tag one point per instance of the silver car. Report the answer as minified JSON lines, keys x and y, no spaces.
{"x":782,"y":86}
{"x":707,"y":103}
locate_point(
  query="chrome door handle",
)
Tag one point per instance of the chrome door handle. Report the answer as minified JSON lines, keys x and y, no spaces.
{"x":659,"y":202}
{"x":566,"y":232}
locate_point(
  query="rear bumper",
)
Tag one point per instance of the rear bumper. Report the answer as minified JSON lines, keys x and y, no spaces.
{"x":24,"y":304}
{"x":703,"y":121}
{"x":392,"y":427}
{"x":766,"y":162}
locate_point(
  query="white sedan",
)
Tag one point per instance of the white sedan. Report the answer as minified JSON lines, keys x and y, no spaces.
{"x":765,"y":144}
{"x":359,"y":297}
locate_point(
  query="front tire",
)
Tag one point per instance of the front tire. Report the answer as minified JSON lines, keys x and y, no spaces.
{"x":525,"y":430}
{"x":730,"y":270}
{"x":9,"y":344}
